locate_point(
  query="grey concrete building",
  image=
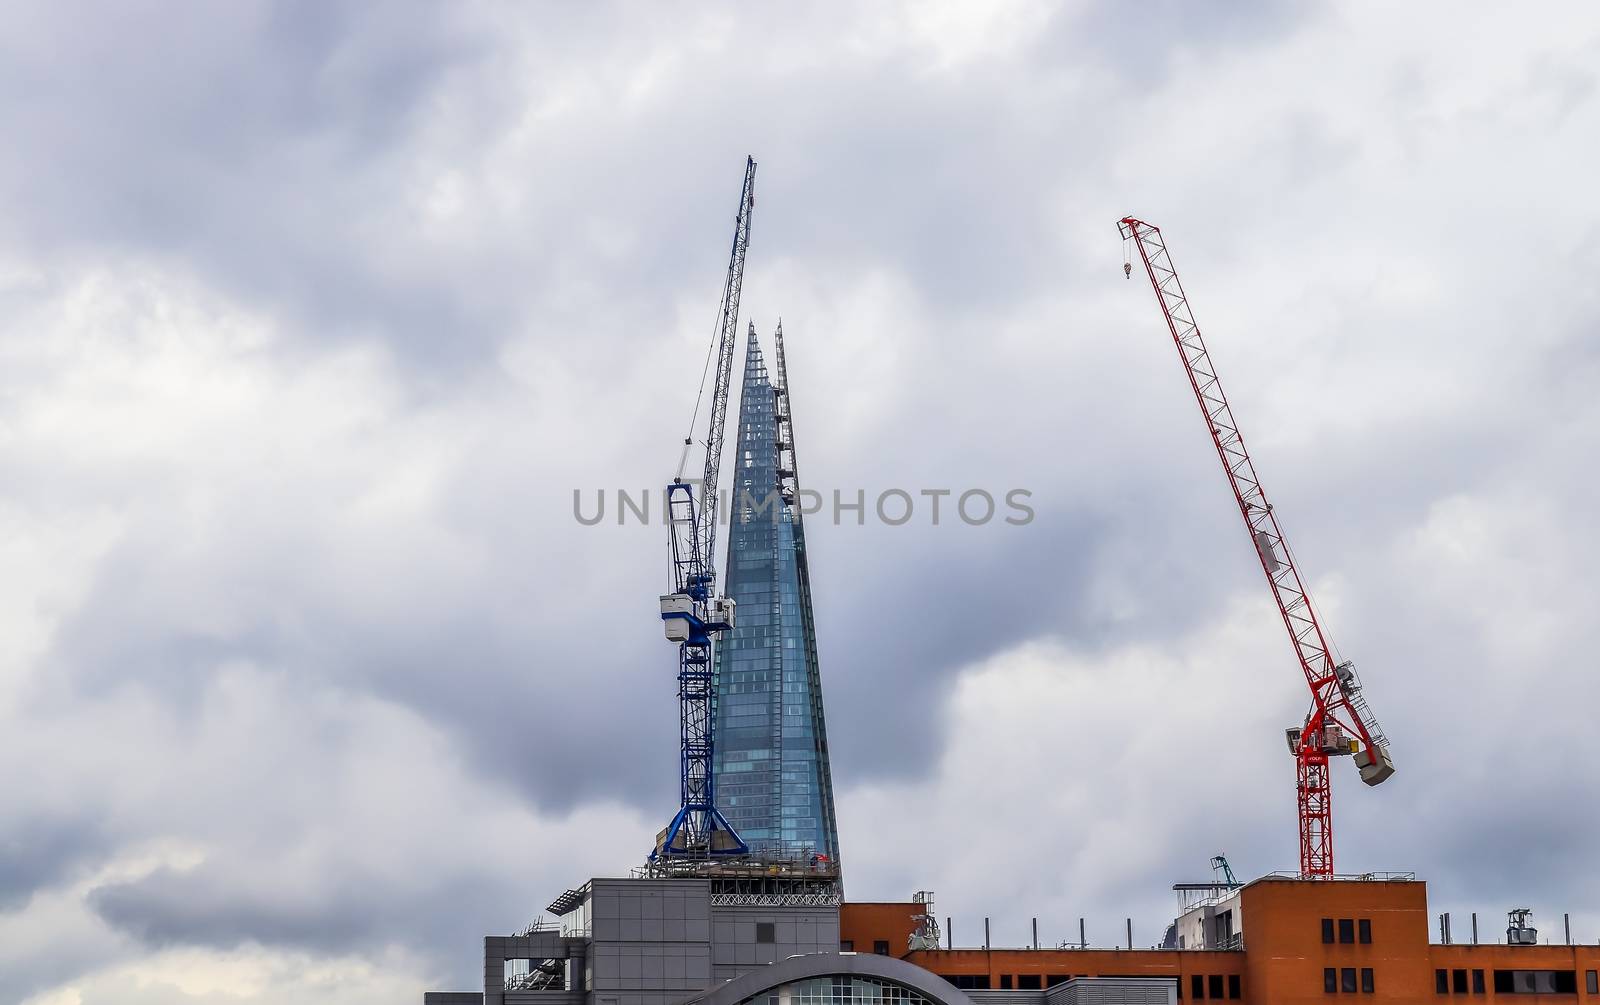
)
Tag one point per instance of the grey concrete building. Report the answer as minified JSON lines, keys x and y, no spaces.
{"x":657,"y":941}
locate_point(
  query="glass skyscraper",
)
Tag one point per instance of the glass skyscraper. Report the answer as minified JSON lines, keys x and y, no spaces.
{"x":771,"y":760}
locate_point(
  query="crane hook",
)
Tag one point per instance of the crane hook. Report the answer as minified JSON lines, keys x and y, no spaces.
{"x":1127,"y":269}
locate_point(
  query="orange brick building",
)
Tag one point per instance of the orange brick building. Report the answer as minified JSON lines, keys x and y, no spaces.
{"x":1277,"y":940}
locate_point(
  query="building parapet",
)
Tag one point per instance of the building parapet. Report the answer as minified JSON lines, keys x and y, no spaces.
{"x":1345,"y":877}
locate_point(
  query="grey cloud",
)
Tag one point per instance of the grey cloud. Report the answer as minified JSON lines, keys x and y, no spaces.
{"x":339,"y":913}
{"x":939,"y":240}
{"x":40,"y":851}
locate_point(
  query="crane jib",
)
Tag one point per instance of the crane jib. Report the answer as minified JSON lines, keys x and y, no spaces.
{"x":1340,"y":721}
{"x":727,"y":330}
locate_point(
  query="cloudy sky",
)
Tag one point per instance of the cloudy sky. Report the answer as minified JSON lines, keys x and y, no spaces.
{"x":314,"y":316}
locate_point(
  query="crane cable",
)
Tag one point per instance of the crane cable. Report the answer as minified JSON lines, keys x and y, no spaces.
{"x":688,"y":441}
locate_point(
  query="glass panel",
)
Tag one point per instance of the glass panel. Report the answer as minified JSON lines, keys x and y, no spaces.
{"x":770,"y":763}
{"x":841,"y":990}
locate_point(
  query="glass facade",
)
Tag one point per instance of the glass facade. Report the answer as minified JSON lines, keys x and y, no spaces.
{"x":840,"y":990}
{"x":771,"y":760}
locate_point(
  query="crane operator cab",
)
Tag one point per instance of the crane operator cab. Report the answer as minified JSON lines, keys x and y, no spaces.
{"x":681,"y":624}
{"x":1333,"y":740}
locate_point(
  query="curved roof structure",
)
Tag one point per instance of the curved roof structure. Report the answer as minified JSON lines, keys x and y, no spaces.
{"x":798,"y":968}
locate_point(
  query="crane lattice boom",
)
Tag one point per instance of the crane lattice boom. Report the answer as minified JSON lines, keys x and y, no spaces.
{"x":693,"y":615}
{"x":726,"y":332}
{"x":1340,"y":720}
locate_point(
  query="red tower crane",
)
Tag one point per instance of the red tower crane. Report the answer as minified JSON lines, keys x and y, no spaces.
{"x":1340,"y":721}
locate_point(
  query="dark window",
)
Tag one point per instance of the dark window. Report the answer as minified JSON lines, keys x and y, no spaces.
{"x":1330,"y":981}
{"x":766,"y":931}
{"x":1591,"y":982}
{"x":1327,"y":929}
{"x":1197,"y":987}
{"x":1458,"y":978}
{"x":1477,"y":982}
{"x":1565,"y":982}
{"x":1366,"y":980}
{"x":880,"y":947}
{"x":1441,"y":982}
{"x":847,"y":946}
{"x":1364,"y":928}
{"x":1233,"y":986}
{"x":1053,"y":979}
{"x":969,"y":982}
{"x":1005,"y":981}
{"x":1029,"y":982}
{"x":1536,"y":982}
{"x":1347,"y":930}
{"x":1347,"y":980}
{"x":1214,"y":986}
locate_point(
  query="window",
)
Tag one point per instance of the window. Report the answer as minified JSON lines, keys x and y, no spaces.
{"x":1197,"y":987}
{"x":1347,"y":930}
{"x":1347,"y":980}
{"x":1366,"y":980}
{"x":1215,"y":986}
{"x":847,"y":946}
{"x":1459,"y":979}
{"x":1029,"y":982}
{"x":969,"y":982}
{"x":1233,"y":986}
{"x":1223,"y":924}
{"x":1591,"y":982}
{"x":880,"y":947}
{"x":1052,"y":980}
{"x":1330,"y":981}
{"x":1364,"y":928}
{"x":1477,"y":982}
{"x":766,"y":931}
{"x":1327,"y":929}
{"x":1441,"y":982}
{"x":1005,"y":980}
{"x":1536,"y":982}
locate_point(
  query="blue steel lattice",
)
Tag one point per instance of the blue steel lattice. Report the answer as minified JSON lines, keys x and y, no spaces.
{"x":698,"y":828}
{"x":692,"y":614}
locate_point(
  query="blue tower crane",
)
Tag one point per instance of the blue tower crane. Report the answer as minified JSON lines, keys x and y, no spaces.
{"x":692,"y":614}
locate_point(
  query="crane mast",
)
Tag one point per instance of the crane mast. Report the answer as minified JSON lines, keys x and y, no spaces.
{"x":1340,"y":721}
{"x":692,"y":614}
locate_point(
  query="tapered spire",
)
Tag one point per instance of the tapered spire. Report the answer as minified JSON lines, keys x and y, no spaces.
{"x":772,"y":755}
